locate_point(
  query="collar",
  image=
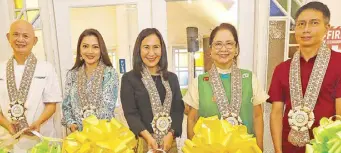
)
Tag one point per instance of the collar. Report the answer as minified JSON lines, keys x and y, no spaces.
{"x":224,"y":71}
{"x":311,"y":60}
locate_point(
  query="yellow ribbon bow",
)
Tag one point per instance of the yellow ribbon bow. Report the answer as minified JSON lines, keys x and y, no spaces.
{"x":100,"y":136}
{"x":218,"y":136}
{"x":327,"y":137}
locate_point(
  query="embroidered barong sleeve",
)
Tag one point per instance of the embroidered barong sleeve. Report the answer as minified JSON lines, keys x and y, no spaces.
{"x":177,"y":110}
{"x":129,"y":106}
{"x":259,"y":94}
{"x":68,"y":112}
{"x":192,"y":96}
{"x":52,"y":92}
{"x":110,"y":91}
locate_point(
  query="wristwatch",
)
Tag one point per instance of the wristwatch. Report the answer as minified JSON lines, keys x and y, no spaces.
{"x":172,"y":131}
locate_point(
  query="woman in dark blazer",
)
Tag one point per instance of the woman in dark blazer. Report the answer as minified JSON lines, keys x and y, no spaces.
{"x":151,"y":97}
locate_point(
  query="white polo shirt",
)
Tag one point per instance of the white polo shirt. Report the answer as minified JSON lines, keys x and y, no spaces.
{"x":44,"y":89}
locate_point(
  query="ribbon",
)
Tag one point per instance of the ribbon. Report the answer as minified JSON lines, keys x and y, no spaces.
{"x":48,"y":145}
{"x":213,"y":135}
{"x":327,"y":137}
{"x":100,"y":136}
{"x":4,"y":151}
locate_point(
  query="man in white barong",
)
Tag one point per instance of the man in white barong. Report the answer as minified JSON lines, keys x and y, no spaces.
{"x":29,"y":90}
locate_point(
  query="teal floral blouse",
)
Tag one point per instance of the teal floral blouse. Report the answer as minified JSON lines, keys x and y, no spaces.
{"x":71,"y":107}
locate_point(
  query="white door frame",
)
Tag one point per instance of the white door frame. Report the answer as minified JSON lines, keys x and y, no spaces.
{"x":62,"y":18}
{"x":246,"y":32}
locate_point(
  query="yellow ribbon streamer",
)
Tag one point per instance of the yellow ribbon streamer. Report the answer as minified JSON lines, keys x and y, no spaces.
{"x":327,"y":137}
{"x":3,"y":150}
{"x":213,"y":135}
{"x":100,"y":136}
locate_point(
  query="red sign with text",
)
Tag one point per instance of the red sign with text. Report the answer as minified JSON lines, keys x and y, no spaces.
{"x":333,"y":38}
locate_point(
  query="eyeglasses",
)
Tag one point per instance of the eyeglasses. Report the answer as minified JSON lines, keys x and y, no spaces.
{"x":219,"y":45}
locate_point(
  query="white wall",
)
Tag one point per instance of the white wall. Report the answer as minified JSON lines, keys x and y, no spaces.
{"x":94,"y":17}
{"x":38,"y":50}
{"x":5,"y":50}
{"x":180,"y":15}
{"x":119,"y":29}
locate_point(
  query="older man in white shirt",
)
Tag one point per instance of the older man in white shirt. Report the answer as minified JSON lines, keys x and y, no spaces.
{"x":29,"y":89}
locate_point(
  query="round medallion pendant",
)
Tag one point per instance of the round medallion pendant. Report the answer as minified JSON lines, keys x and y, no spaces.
{"x":87,"y":113}
{"x":301,"y":118}
{"x":161,"y":123}
{"x":17,"y":110}
{"x":233,"y":119}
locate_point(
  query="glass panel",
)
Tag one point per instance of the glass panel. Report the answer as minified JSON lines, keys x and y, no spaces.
{"x":292,"y":26}
{"x":32,"y":15}
{"x":38,"y":49}
{"x":183,"y":59}
{"x":292,"y":51}
{"x":37,"y":24}
{"x":181,"y":69}
{"x":276,"y":46}
{"x":294,"y":8}
{"x":118,"y":27}
{"x":199,"y":72}
{"x":183,"y":91}
{"x":176,"y":59}
{"x":183,"y":79}
{"x":283,"y":3}
{"x":19,"y":15}
{"x":18,"y":4}
{"x":181,"y":14}
{"x":112,"y":56}
{"x":275,"y":9}
{"x":292,"y":39}
{"x":32,"y":4}
{"x":182,"y":50}
{"x":275,"y":56}
{"x":199,"y":59}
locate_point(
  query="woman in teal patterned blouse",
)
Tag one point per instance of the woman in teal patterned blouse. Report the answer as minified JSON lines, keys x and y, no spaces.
{"x":92,"y":84}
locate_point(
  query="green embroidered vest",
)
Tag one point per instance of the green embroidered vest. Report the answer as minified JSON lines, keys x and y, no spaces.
{"x":207,"y":107}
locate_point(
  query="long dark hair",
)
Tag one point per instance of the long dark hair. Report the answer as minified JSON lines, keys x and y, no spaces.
{"x":229,"y":27}
{"x":137,"y":60}
{"x":104,"y":53}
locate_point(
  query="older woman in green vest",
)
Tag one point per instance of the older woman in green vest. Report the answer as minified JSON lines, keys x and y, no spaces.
{"x":225,"y":90}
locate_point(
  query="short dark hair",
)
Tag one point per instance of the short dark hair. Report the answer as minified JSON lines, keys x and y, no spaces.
{"x":104,"y":53}
{"x":317,"y":6}
{"x":137,"y":60}
{"x":229,"y":27}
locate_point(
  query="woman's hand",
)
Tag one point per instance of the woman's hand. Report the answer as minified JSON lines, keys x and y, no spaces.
{"x":167,"y":141}
{"x":73,"y":127}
